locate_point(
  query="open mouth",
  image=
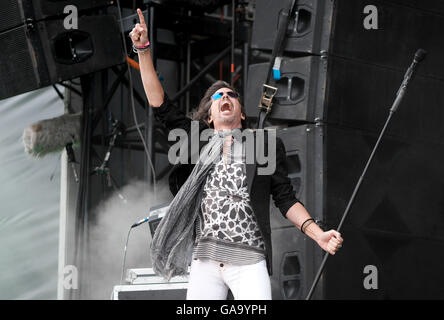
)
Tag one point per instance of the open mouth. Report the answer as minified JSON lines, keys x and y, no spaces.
{"x":225,"y":107}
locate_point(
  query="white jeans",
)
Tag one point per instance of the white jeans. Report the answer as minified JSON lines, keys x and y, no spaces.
{"x":210,"y":280}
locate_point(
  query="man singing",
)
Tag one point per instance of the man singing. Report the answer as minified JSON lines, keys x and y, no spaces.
{"x":219,"y":218}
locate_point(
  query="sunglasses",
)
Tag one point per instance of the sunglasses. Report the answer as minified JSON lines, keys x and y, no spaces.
{"x":219,"y":95}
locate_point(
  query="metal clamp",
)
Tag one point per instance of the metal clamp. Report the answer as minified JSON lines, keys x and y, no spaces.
{"x":267,"y":98}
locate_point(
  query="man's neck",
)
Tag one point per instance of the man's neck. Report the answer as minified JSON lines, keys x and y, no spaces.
{"x":227,"y":128}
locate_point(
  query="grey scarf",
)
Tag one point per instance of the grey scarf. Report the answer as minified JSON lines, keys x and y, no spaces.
{"x":172,"y":243}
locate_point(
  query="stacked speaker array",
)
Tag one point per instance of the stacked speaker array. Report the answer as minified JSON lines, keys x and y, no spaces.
{"x":339,"y":79}
{"x":40,"y":48}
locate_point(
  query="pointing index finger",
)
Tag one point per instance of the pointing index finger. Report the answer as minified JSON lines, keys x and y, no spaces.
{"x":141,"y":18}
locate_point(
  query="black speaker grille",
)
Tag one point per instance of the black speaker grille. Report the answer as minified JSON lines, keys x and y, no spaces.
{"x":17,"y":70}
{"x":49,"y":8}
{"x":10,"y":15}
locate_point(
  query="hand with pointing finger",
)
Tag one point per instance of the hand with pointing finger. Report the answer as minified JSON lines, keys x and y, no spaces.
{"x":139,"y":34}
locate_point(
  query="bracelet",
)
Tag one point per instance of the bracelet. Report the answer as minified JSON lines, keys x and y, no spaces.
{"x":143,"y":48}
{"x":146,"y":45}
{"x":138,"y":50}
{"x":302,"y":226}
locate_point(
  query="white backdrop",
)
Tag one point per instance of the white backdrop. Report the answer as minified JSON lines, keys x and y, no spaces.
{"x":29,"y":201}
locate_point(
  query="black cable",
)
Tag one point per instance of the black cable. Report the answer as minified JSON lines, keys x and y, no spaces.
{"x":133,"y":105}
{"x":71,"y":88}
{"x":124,"y":256}
{"x":233,"y":23}
{"x":58,"y":92}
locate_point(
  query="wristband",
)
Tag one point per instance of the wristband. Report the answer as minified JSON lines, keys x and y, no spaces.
{"x":302,"y":226}
{"x":146,"y":45}
{"x":140,"y":49}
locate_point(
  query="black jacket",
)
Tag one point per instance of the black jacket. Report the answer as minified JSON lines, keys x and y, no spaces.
{"x":259,"y":186}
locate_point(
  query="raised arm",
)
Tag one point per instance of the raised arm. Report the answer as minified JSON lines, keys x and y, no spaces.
{"x":151,"y":84}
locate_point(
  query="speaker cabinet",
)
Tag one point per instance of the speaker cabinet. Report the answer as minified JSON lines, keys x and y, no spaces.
{"x":393,"y":227}
{"x":294,"y":255}
{"x":338,"y":28}
{"x":11,"y":14}
{"x":292,"y":262}
{"x":17,"y":13}
{"x":395,"y":220}
{"x":42,"y":9}
{"x":308,"y":28}
{"x":301,"y":89}
{"x":45,"y":53}
{"x":351,"y":94}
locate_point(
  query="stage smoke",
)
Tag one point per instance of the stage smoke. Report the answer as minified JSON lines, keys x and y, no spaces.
{"x":109,"y":231}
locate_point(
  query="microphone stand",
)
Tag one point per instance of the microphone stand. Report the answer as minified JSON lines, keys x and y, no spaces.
{"x":118,"y":129}
{"x":419,"y":56}
{"x":126,"y":246}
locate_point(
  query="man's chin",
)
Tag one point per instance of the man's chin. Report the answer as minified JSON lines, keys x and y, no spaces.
{"x":227,"y":119}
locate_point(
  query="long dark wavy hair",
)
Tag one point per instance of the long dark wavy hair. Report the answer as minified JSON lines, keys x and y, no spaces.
{"x":203,"y":111}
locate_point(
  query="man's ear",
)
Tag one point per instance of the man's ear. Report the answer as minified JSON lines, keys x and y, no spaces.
{"x":242,"y":116}
{"x":209,"y":119}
